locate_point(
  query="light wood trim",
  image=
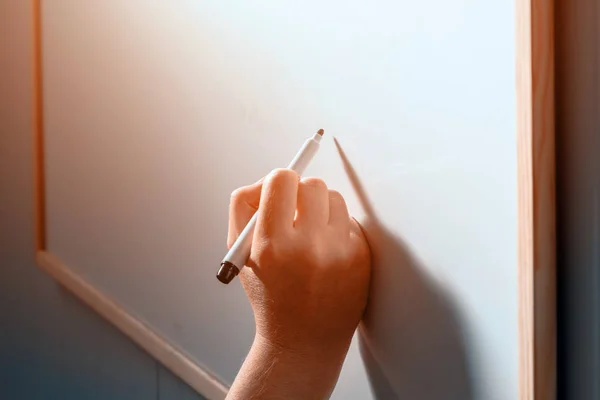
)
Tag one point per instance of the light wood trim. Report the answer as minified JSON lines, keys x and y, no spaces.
{"x":38,"y":131}
{"x":536,"y":203}
{"x":171,"y":357}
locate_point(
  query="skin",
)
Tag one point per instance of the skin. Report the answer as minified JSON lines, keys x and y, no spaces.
{"x":307,"y":281}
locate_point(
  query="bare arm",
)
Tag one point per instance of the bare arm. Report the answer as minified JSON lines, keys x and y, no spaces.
{"x":271,"y":373}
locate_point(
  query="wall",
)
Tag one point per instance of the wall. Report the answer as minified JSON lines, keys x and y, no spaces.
{"x":51,"y":346}
{"x":578,"y":197}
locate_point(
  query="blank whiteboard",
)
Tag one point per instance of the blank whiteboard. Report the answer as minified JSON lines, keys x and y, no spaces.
{"x":154,"y":112}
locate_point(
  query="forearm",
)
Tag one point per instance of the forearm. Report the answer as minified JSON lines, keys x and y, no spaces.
{"x":269,"y":373}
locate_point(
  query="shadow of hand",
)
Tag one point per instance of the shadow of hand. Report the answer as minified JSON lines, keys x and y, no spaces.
{"x":410,"y":338}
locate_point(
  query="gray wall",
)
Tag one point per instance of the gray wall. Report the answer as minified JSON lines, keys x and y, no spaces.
{"x":51,"y":346}
{"x":578,"y":156}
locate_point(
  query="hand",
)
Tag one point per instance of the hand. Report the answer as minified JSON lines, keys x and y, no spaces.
{"x":309,"y":267}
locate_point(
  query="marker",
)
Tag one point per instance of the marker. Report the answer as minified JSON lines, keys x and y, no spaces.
{"x":239,"y":253}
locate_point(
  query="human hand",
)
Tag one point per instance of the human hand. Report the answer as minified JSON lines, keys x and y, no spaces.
{"x":309,"y":268}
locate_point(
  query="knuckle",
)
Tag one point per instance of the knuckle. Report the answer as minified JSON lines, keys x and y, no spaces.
{"x":282,"y":175}
{"x":337,"y":198}
{"x":266,"y":254}
{"x":245,"y":195}
{"x":316,"y":183}
{"x":311,"y":244}
{"x":237,"y":195}
{"x":316,"y":259}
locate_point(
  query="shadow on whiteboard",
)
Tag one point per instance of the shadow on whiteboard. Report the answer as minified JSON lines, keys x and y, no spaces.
{"x":411,"y":339}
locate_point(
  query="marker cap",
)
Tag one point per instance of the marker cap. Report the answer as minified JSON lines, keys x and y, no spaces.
{"x":227,"y":272}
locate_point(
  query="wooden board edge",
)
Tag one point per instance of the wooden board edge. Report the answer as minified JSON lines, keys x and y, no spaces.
{"x":172,"y":358}
{"x":38,"y":130}
{"x":536,"y":199}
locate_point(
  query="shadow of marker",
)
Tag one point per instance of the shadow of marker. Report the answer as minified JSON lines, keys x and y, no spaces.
{"x":410,"y":338}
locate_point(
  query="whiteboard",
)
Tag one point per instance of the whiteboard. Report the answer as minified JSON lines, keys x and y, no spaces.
{"x":155,"y":111}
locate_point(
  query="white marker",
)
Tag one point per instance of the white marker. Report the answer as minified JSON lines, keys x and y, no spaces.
{"x":239,"y":253}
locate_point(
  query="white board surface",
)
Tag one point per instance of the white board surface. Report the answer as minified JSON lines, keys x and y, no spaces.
{"x":156,"y":111}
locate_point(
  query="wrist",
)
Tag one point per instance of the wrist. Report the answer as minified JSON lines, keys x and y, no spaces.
{"x":299,"y":373}
{"x":313,"y":353}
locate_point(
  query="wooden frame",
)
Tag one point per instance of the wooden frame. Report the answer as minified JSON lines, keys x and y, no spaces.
{"x":536,"y":199}
{"x":536,"y":218}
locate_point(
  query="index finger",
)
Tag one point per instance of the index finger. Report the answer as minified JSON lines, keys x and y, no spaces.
{"x":277,"y":206}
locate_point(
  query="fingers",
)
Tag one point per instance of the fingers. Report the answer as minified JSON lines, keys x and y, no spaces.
{"x":313,"y":203}
{"x":338,"y":211}
{"x":280,"y":198}
{"x":278,"y":201}
{"x":242,"y":206}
